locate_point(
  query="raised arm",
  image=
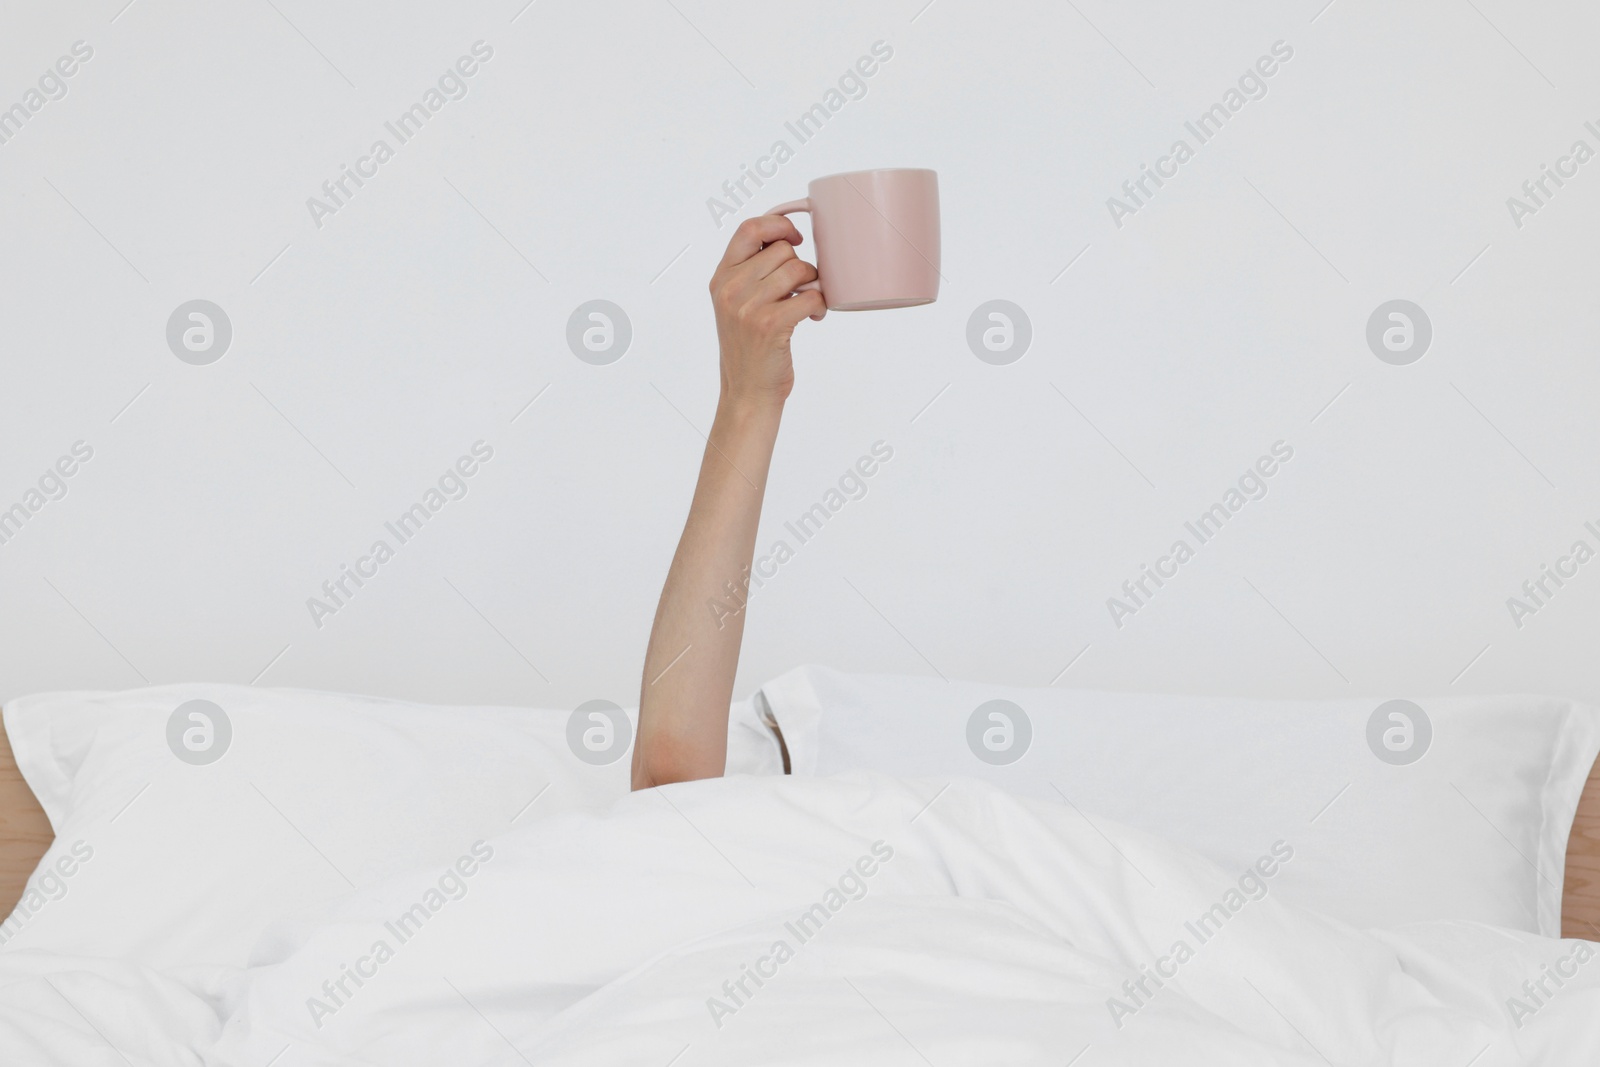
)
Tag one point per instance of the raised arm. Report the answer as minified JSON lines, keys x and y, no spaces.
{"x":694,"y":644}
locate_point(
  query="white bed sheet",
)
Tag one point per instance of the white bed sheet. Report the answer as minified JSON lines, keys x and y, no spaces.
{"x":957,"y":924}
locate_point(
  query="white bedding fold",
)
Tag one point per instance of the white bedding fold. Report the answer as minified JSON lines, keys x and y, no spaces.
{"x":68,"y":1010}
{"x":952,"y":923}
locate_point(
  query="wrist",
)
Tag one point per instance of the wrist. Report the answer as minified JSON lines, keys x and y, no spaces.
{"x":749,"y":413}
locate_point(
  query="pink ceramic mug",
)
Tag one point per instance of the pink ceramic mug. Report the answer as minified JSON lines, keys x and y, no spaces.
{"x":877,"y":238}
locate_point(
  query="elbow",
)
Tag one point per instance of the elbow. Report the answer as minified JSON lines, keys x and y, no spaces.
{"x":665,"y":761}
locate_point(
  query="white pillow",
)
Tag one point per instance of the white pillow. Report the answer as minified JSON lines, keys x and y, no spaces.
{"x":171,"y":862}
{"x":1475,"y":828}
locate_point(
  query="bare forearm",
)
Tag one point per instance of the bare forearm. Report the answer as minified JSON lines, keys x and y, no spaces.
{"x":694,"y":644}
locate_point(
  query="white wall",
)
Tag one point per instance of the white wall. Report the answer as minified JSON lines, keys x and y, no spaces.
{"x":1227,"y":314}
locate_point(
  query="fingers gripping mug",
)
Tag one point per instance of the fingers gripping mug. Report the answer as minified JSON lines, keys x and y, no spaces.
{"x":877,"y":238}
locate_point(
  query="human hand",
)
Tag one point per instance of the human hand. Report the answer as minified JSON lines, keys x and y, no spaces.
{"x":757,"y":309}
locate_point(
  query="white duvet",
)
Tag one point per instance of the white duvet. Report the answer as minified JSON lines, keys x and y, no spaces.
{"x":860,"y":919}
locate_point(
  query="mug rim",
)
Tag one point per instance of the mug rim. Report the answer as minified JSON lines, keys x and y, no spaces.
{"x":875,"y":170}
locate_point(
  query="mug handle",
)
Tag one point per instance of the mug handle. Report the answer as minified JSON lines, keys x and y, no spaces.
{"x":803,"y":204}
